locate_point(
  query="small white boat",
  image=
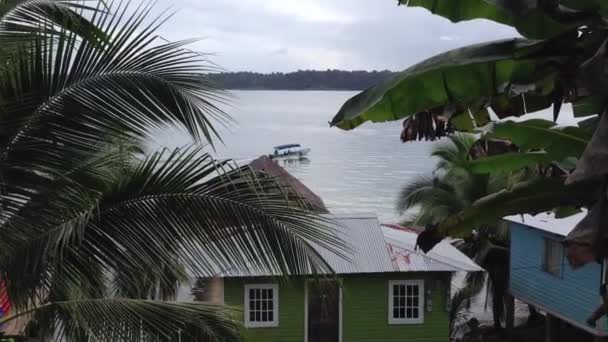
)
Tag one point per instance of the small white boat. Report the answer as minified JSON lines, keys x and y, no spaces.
{"x":289,"y":151}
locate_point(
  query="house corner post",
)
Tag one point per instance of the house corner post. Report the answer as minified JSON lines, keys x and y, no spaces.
{"x":551,"y":328}
{"x":510,"y":314}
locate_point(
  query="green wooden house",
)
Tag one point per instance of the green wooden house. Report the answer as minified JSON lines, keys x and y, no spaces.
{"x":386,"y":291}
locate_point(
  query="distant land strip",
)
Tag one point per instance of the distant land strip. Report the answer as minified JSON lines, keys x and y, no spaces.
{"x":300,"y":80}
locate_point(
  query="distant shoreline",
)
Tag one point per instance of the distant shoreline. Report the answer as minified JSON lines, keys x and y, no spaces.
{"x":270,"y":89}
{"x":303,"y":80}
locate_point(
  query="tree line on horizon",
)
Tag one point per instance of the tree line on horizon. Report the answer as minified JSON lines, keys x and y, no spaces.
{"x":301,"y":80}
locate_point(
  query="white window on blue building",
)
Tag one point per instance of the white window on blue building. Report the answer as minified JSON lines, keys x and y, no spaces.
{"x":553,"y":257}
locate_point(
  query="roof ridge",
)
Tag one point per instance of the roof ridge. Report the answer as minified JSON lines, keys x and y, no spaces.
{"x":400,"y":228}
{"x":426,"y":256}
{"x":417,"y":252}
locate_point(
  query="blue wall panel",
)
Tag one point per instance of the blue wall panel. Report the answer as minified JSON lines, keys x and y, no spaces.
{"x":574,"y":294}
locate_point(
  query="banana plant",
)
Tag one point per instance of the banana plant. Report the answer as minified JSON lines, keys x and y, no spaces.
{"x":560,"y":58}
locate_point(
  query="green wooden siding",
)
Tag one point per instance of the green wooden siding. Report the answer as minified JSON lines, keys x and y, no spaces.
{"x":291,"y":310}
{"x":365,"y":315}
{"x":365,"y":310}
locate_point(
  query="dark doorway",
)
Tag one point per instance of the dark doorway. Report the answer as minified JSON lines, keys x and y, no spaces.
{"x":323,"y":311}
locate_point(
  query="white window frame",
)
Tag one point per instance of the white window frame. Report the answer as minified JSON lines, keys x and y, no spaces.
{"x":547,"y":264}
{"x":421,"y":307}
{"x":275,"y":306}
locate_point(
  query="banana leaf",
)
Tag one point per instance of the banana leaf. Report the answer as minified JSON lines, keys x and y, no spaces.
{"x":594,"y":160}
{"x":530,"y":197}
{"x":532,"y":19}
{"x":544,"y":135}
{"x":587,"y":106}
{"x":509,"y":162}
{"x":464,"y":79}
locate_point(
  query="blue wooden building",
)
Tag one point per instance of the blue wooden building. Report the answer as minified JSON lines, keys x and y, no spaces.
{"x":541,"y":276}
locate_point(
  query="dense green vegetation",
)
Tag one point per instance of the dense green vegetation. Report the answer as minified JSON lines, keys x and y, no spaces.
{"x":452,"y":187}
{"x":95,"y":235}
{"x":301,"y":80}
{"x":561,"y":57}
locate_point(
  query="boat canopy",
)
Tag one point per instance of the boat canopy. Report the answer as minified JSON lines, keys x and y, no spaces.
{"x":282,"y":147}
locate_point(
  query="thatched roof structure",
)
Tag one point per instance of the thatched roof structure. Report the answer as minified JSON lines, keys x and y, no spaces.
{"x":270,"y":167}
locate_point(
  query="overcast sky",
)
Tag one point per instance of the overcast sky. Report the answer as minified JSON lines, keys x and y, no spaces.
{"x":287,"y":35}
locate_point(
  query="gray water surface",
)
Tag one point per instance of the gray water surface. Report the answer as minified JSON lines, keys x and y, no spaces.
{"x":356,"y":171}
{"x":353,"y":171}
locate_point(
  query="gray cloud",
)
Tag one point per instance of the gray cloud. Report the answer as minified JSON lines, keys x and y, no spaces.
{"x":281,"y":51}
{"x":286,"y":35}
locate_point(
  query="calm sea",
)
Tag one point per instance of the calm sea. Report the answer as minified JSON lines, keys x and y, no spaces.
{"x":355,"y":171}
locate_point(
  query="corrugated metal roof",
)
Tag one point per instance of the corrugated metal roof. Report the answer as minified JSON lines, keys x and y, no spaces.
{"x":362,"y":234}
{"x":443,"y":257}
{"x":548,"y":222}
{"x":366,"y":254}
{"x":373,"y":249}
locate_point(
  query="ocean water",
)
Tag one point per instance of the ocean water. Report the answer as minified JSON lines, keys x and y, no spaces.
{"x":353,"y":172}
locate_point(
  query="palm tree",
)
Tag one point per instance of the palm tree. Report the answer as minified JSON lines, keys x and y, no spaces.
{"x":94,"y":236}
{"x":459,"y":312}
{"x":452,"y":188}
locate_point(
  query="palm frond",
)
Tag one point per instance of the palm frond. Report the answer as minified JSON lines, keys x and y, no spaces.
{"x":455,"y":152}
{"x":65,"y":97}
{"x":135,"y":320}
{"x":413,"y":192}
{"x":433,"y":198}
{"x":425,"y":191}
{"x":460,"y":312}
{"x":175,"y":203}
{"x":476,"y":281}
{"x":131,"y":281}
{"x":84,"y":223}
{"x":34,"y":19}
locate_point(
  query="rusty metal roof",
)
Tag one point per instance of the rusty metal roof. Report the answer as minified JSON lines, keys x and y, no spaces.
{"x":443,"y":257}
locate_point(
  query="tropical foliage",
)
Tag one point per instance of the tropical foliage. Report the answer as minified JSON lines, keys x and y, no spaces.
{"x":453,"y":187}
{"x":94,"y":234}
{"x":459,"y":312}
{"x":560,"y":58}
